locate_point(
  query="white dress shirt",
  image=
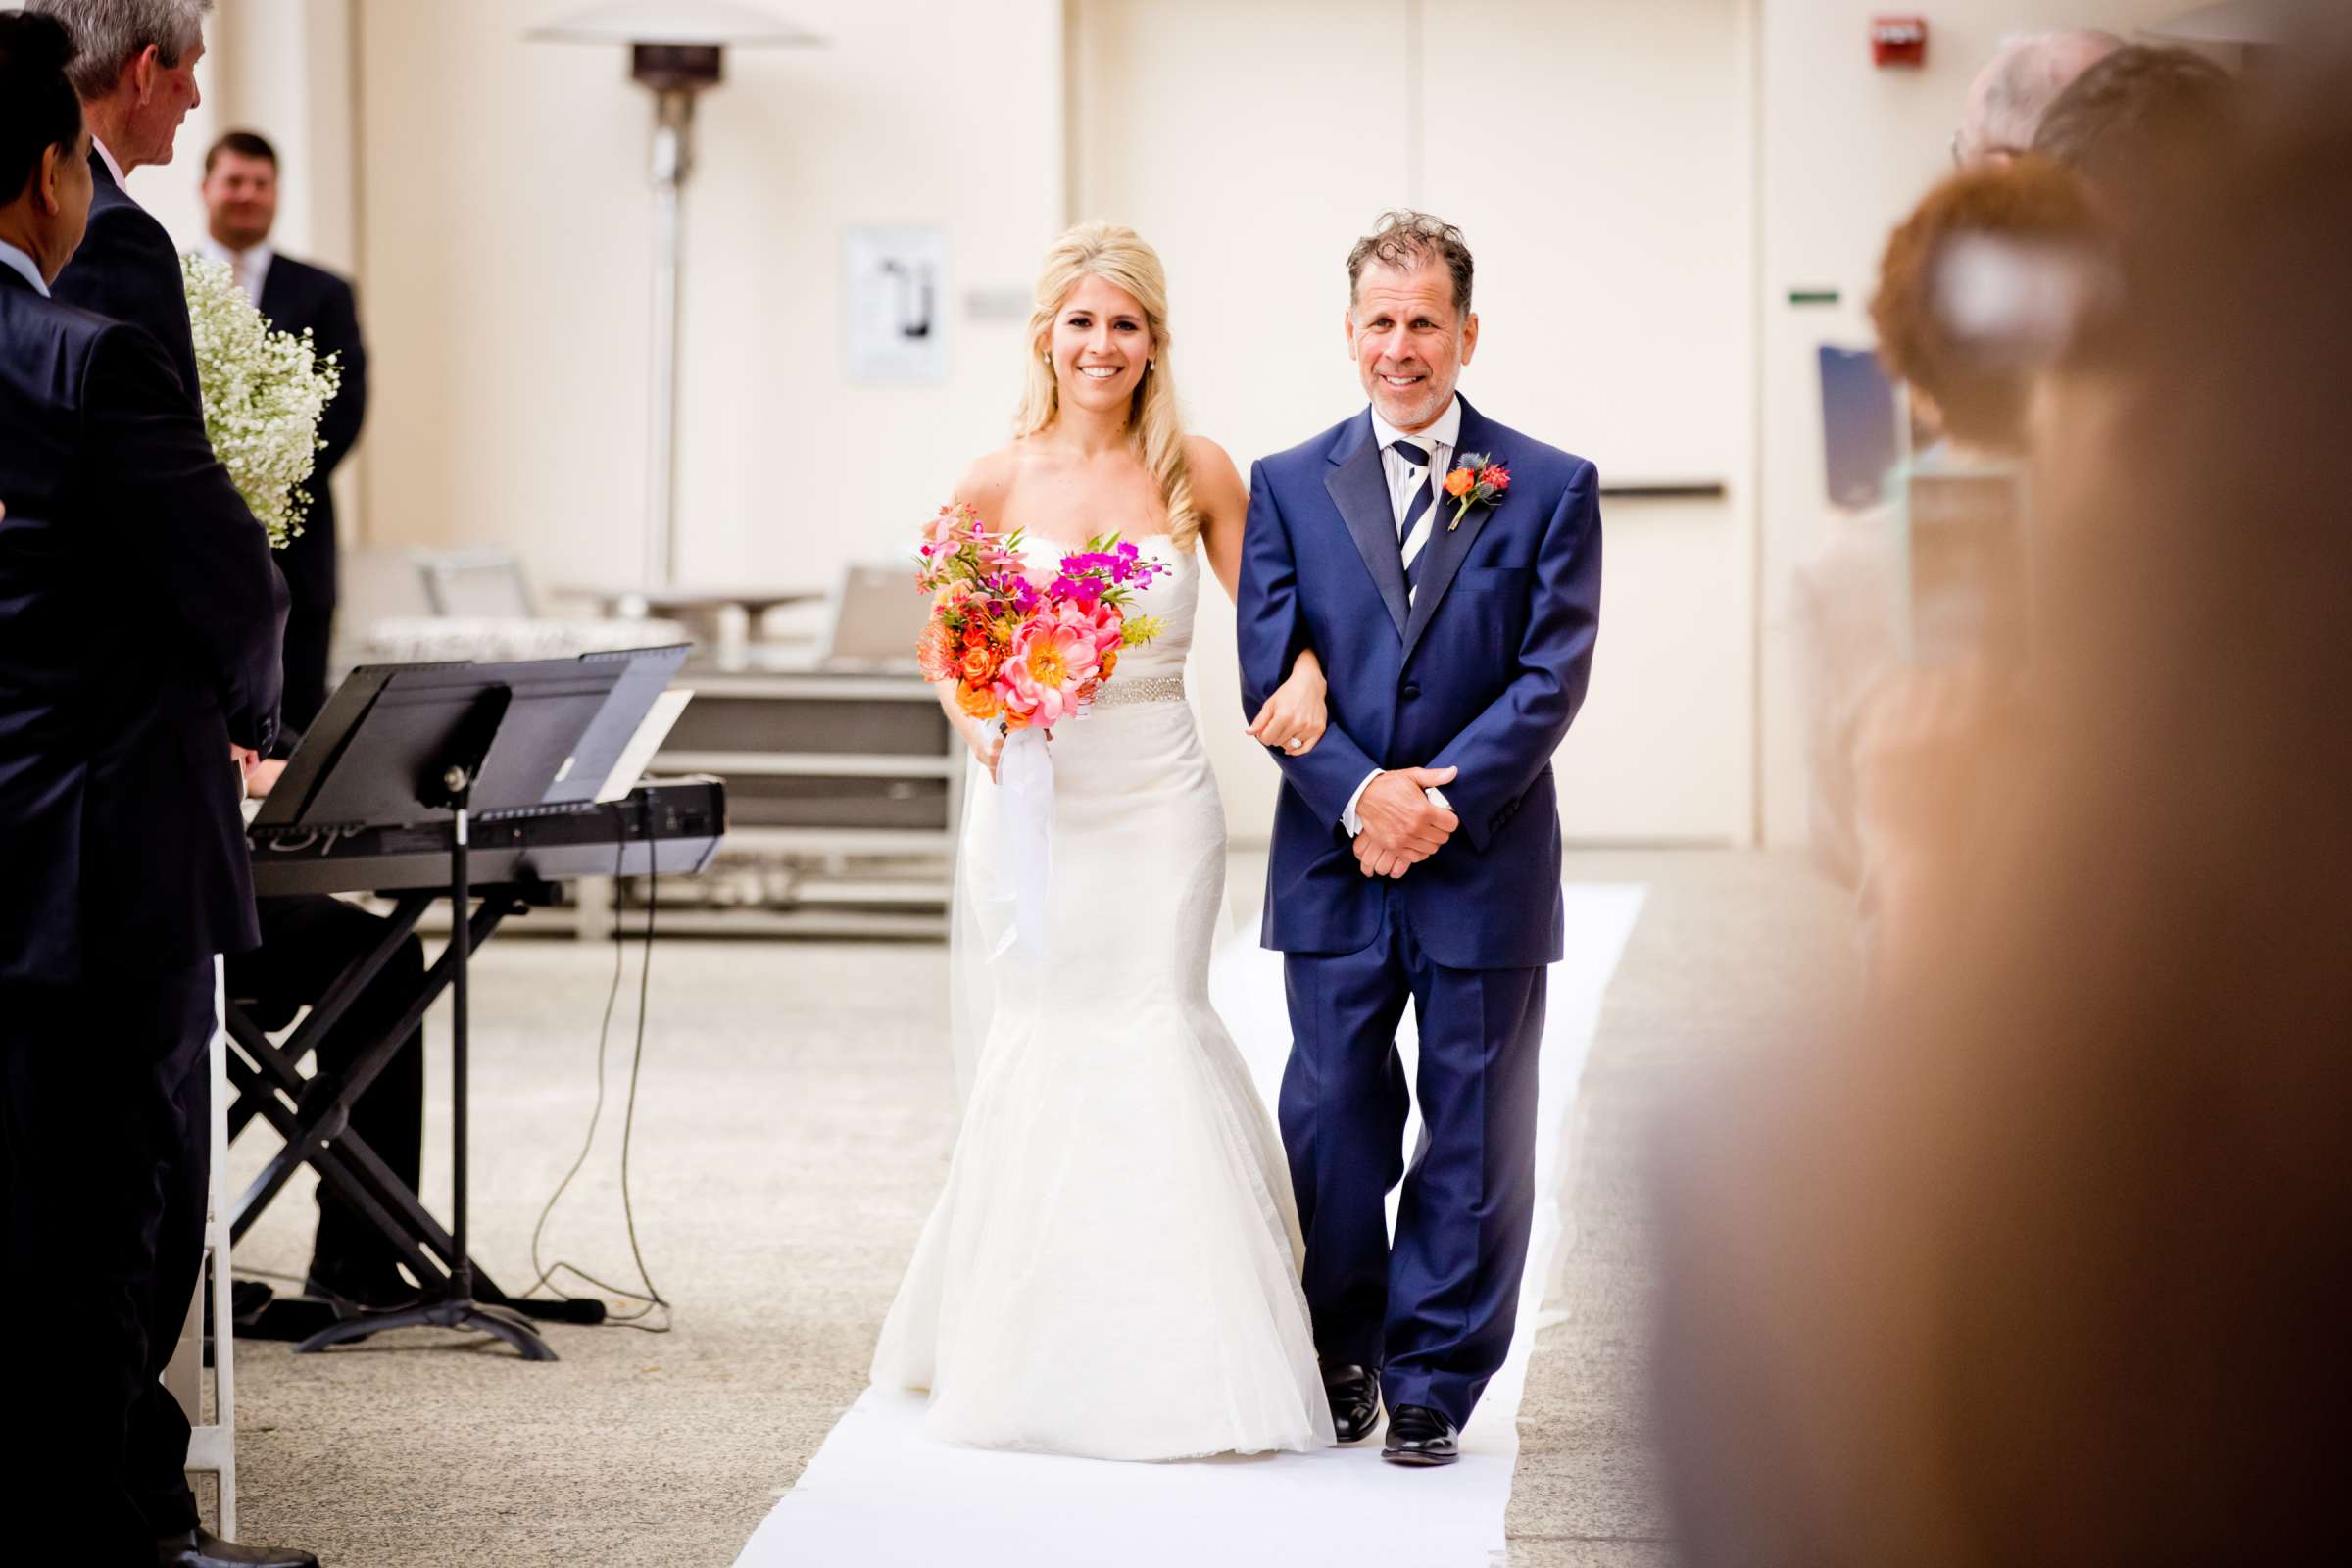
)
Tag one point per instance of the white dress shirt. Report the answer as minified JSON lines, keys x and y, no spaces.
{"x":19,"y":261}
{"x":1405,"y":482}
{"x":1406,"y":485}
{"x":122,"y":180}
{"x":252,"y":268}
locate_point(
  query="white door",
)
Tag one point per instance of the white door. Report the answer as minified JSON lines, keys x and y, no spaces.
{"x":1595,"y":154}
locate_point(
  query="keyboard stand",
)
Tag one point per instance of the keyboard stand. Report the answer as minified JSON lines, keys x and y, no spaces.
{"x":449,"y":786}
{"x":417,"y":747}
{"x":312,"y":1114}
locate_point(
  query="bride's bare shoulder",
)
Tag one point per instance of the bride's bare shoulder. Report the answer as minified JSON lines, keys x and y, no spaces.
{"x":989,"y":479}
{"x":1216,"y":482}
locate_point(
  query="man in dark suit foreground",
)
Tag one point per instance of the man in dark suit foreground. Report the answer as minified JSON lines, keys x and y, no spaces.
{"x":240,"y":199}
{"x":140,"y":618}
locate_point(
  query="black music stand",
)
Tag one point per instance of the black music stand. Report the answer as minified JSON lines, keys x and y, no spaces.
{"x":452,"y":740}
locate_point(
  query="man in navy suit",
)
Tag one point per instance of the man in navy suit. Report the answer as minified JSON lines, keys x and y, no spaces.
{"x":1416,"y":851}
{"x":240,"y":199}
{"x":139,"y":624}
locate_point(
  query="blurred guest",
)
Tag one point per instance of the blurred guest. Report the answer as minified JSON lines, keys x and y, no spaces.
{"x":2136,"y":115}
{"x":1939,"y":725}
{"x":2047,"y":1264}
{"x":240,"y":195}
{"x":2017,"y":85}
{"x":139,"y":626}
{"x":1966,"y":383}
{"x":134,"y":70}
{"x":1850,"y":597}
{"x":1847,"y":609}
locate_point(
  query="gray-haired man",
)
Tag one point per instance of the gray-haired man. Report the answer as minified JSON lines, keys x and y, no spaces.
{"x":2016,"y":88}
{"x":135,"y":71}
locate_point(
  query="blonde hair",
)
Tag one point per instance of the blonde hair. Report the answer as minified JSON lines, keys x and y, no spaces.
{"x":1155,"y":427}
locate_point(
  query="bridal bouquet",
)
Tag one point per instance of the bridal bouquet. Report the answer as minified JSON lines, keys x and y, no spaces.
{"x":264,"y":392}
{"x":1024,"y":656}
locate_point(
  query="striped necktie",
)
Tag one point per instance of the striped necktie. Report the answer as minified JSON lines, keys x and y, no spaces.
{"x":1412,"y":535}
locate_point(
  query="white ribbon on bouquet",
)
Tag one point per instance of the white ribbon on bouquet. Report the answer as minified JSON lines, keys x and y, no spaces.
{"x":1025,"y":773}
{"x":997,"y":918}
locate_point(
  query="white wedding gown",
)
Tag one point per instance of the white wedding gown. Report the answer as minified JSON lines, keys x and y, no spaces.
{"x":1112,"y":1270}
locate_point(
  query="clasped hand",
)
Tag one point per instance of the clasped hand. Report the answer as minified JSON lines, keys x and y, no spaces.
{"x":260,"y":773}
{"x":1401,"y":825}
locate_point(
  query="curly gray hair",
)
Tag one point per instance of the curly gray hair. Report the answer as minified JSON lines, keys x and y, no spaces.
{"x":109,"y":34}
{"x":1406,"y":239}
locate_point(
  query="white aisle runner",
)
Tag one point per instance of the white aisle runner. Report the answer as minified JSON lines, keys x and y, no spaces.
{"x":880,"y":1493}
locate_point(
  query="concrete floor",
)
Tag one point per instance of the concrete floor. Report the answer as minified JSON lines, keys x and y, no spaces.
{"x":1735,"y":954}
{"x":792,"y":1128}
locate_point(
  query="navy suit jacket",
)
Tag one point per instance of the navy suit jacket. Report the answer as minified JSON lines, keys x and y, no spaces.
{"x":297,"y":297}
{"x":127,"y":268}
{"x":140,"y":620}
{"x":1484,"y":671}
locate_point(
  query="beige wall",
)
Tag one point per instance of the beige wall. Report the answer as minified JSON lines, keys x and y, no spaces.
{"x":507,"y":262}
{"x":1844,"y":151}
{"x":496,"y":214}
{"x":1615,"y":319}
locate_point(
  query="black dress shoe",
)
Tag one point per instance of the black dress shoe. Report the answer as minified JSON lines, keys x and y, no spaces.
{"x":1419,"y":1436}
{"x":201,"y":1549}
{"x":1354,"y":1394}
{"x":247,"y":1299}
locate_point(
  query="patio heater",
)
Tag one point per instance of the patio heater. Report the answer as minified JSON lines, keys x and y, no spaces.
{"x":677,"y":51}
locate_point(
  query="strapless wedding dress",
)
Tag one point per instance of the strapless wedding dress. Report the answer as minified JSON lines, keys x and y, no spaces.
{"x":1112,"y":1270}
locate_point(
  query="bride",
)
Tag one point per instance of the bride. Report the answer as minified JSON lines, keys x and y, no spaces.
{"x":1112,"y":1270}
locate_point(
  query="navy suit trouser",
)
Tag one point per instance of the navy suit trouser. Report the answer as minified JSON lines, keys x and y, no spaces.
{"x":1433,"y":1311}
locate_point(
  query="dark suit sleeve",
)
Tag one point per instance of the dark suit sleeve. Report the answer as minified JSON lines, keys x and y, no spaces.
{"x":126,"y":268}
{"x":1272,"y":631}
{"x":182,"y":518}
{"x":1504,"y":750}
{"x":338,"y":333}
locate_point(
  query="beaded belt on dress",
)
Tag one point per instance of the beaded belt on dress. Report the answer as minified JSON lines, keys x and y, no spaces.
{"x":1120,"y":690}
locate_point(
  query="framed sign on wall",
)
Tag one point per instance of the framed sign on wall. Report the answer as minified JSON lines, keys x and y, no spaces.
{"x":897,"y":296}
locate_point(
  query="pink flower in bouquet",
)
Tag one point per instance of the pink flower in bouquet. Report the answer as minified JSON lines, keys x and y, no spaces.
{"x":1101,"y":620}
{"x":997,"y":553}
{"x":1053,"y":661}
{"x":941,"y":529}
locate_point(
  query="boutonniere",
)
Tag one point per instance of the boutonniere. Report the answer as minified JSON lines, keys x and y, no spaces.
{"x":1479,"y":481}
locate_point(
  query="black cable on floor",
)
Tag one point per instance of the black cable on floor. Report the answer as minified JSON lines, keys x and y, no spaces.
{"x":651,"y":1295}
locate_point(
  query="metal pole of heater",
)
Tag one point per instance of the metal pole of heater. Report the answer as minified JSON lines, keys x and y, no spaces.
{"x":677,"y":49}
{"x":674,"y":161}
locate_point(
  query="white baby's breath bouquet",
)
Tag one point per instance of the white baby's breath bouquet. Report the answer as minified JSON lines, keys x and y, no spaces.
{"x":264,"y":392}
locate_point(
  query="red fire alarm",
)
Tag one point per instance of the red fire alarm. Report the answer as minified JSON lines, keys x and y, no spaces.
{"x":1899,"y":41}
